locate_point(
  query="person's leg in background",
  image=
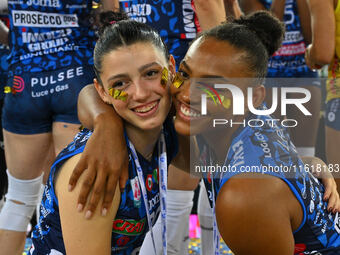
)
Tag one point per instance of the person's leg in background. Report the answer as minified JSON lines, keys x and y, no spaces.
{"x":206,"y":220}
{"x":27,"y":157}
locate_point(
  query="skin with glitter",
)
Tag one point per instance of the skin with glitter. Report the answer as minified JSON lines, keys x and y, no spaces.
{"x":177,"y":81}
{"x":118,"y":94}
{"x":165,"y":76}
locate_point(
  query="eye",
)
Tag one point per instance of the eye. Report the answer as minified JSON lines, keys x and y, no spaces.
{"x":184,"y":75}
{"x":120,"y":84}
{"x":152,"y":73}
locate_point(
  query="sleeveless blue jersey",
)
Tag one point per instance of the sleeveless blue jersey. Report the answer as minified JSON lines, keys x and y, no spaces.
{"x":175,"y":21}
{"x":130,"y":225}
{"x":270,"y":145}
{"x":289,"y":60}
{"x":46,"y":35}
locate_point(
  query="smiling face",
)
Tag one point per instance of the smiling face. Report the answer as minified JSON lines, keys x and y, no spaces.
{"x":133,"y":76}
{"x":221,"y":63}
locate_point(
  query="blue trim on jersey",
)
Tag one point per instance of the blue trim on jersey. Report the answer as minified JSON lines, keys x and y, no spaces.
{"x":77,"y":151}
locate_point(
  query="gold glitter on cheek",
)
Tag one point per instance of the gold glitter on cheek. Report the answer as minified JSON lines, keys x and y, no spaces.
{"x":177,"y":81}
{"x":165,"y":76}
{"x":118,"y":94}
{"x":226,"y":102}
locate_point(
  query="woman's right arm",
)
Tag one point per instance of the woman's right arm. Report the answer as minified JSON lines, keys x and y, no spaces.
{"x":321,"y":51}
{"x":82,"y":236}
{"x":105,"y":160}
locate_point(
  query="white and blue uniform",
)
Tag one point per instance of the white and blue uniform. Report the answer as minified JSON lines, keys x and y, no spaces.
{"x":51,"y":47}
{"x":130,"y":225}
{"x":289,"y":60}
{"x":252,"y":150}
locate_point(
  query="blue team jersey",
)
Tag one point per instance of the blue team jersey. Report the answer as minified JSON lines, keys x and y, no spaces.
{"x":289,"y":60}
{"x":270,"y":145}
{"x":46,"y":35}
{"x":3,"y":61}
{"x":175,"y":21}
{"x":130,"y":225}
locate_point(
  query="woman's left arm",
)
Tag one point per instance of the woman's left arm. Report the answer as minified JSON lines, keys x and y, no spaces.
{"x":320,"y":170}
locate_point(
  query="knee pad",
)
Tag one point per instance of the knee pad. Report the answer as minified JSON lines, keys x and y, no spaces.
{"x":16,"y":216}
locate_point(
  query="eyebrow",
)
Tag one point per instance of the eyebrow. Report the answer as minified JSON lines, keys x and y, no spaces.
{"x":186,"y":66}
{"x":141,"y":69}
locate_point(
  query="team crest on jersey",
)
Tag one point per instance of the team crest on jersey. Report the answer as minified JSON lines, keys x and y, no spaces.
{"x":156,"y":174}
{"x":149,"y":182}
{"x":136,"y":192}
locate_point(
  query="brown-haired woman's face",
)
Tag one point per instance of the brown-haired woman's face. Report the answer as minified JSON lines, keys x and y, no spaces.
{"x":132,"y":83}
{"x":207,"y":62}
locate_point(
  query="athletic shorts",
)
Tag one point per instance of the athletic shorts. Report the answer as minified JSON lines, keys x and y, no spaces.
{"x":332,"y":114}
{"x":39,"y":99}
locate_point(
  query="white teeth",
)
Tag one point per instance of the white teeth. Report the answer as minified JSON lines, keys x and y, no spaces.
{"x":188,"y":112}
{"x":145,"y":108}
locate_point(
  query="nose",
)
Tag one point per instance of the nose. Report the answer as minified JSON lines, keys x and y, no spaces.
{"x":141,"y":92}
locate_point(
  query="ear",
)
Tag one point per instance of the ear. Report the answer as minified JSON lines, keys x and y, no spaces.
{"x":259,"y":94}
{"x":172,"y":66}
{"x":101,"y":91}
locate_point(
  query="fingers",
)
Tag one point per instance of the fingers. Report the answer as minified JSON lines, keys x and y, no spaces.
{"x":109,"y":194}
{"x":328,"y":188}
{"x":85,"y":189}
{"x":96,"y":194}
{"x":78,"y":170}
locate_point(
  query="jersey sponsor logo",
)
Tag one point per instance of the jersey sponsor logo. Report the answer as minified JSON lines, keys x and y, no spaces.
{"x":67,"y":47}
{"x":40,"y":19}
{"x":188,"y":20}
{"x":136,"y":192}
{"x":291,"y":50}
{"x":331,"y":116}
{"x":76,"y":6}
{"x":128,"y":227}
{"x":122,"y":241}
{"x":28,"y":37}
{"x":293,"y":37}
{"x":299,"y":247}
{"x":294,"y":64}
{"x":57,"y":77}
{"x":149,"y":182}
{"x":18,"y":84}
{"x":153,"y":201}
{"x":155,"y":174}
{"x":137,"y":12}
{"x":264,"y":145}
{"x":44,"y":3}
{"x":239,"y":153}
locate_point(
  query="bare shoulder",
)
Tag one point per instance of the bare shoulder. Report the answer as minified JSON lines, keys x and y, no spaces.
{"x":62,"y":179}
{"x":250,"y":209}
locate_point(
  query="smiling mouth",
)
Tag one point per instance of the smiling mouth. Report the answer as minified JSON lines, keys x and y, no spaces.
{"x":146,"y":108}
{"x":188,"y":112}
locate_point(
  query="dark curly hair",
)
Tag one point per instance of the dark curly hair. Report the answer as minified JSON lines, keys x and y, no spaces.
{"x":259,"y":35}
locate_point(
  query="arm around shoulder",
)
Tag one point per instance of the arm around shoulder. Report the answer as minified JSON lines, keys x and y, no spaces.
{"x":82,"y":236}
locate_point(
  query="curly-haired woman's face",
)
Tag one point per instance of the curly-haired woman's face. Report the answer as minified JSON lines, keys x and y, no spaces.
{"x":207,"y":62}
